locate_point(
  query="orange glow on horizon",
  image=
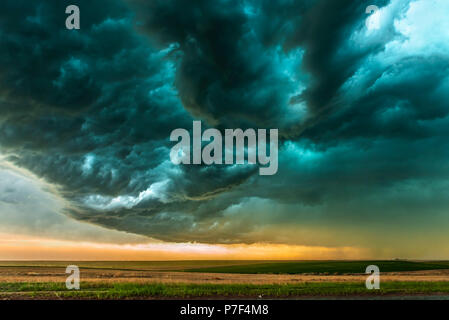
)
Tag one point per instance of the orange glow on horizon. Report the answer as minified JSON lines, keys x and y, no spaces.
{"x":17,"y":247}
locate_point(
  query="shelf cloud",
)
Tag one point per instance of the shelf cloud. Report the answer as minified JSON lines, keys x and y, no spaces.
{"x":362,"y":116}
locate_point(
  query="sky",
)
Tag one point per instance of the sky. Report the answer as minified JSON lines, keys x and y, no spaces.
{"x":361,"y":103}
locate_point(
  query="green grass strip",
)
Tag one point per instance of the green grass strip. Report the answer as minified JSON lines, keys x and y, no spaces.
{"x":159,"y":290}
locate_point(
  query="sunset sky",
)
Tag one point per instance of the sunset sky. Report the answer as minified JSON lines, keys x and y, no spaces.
{"x":362,"y":111}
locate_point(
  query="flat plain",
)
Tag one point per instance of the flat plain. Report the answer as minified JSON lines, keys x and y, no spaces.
{"x":222,"y":279}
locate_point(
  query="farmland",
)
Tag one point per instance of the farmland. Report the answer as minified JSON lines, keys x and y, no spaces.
{"x":323,"y":267}
{"x":222,"y":279}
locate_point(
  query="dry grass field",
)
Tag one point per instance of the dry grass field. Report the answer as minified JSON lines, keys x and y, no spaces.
{"x":144,"y":280}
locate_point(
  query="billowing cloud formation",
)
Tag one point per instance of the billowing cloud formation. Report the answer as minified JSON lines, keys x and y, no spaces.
{"x":362,"y":115}
{"x":29,"y":207}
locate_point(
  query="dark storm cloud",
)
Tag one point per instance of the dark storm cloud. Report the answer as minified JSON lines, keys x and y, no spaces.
{"x":101,"y":90}
{"x":229,"y":72}
{"x":362,"y":114}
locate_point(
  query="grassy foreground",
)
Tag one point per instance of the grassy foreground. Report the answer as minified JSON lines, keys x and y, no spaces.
{"x":162,"y":291}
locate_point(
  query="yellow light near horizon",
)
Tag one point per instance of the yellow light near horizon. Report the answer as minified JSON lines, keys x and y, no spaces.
{"x":17,"y":247}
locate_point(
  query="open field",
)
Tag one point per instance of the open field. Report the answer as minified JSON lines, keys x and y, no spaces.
{"x":131,"y":265}
{"x":236,"y":266}
{"x":324,"y":267}
{"x":98,"y":290}
{"x":221,"y":279}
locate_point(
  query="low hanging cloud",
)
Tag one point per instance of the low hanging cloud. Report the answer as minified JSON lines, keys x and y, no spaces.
{"x":362,"y":115}
{"x":30,"y":208}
